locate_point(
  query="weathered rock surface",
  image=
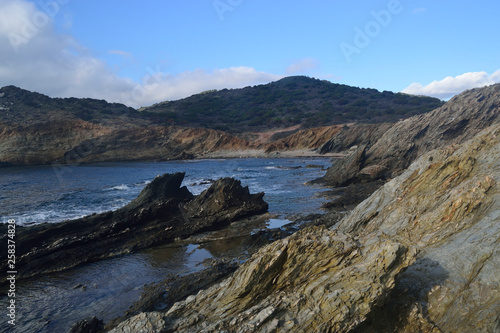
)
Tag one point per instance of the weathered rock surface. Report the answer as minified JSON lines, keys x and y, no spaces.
{"x":388,"y":155}
{"x":344,"y":171}
{"x":355,"y":135}
{"x":316,"y":280}
{"x":447,"y":205}
{"x":162,"y":212}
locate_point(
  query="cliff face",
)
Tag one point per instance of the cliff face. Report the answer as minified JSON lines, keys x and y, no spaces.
{"x":420,"y":255}
{"x":305,"y":139}
{"x":392,"y":152}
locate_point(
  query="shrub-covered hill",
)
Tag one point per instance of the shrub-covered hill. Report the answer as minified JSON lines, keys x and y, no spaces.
{"x":296,"y":100}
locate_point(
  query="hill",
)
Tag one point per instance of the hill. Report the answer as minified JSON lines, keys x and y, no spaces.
{"x":295,"y":100}
{"x":22,"y":107}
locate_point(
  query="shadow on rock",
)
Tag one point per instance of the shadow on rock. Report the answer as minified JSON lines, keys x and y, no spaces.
{"x":406,"y":308}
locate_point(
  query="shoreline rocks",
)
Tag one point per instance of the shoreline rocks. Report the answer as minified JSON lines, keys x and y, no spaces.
{"x":164,"y":211}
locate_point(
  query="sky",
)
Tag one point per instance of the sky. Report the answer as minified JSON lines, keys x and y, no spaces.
{"x":144,"y":52}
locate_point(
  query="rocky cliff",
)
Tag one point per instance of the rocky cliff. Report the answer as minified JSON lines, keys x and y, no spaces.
{"x":390,"y":150}
{"x":420,"y":255}
{"x":447,"y":205}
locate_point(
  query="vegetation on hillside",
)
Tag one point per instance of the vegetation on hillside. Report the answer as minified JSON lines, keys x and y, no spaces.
{"x":297,"y":100}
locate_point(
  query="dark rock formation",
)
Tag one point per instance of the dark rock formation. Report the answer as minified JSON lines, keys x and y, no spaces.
{"x":162,"y":212}
{"x":90,"y":325}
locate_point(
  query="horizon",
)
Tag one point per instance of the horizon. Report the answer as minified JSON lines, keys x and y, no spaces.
{"x":149,"y":53}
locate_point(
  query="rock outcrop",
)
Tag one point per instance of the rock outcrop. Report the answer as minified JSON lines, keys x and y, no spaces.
{"x":447,"y":205}
{"x":162,"y":212}
{"x":420,"y":255}
{"x":316,"y":280}
{"x":388,"y":155}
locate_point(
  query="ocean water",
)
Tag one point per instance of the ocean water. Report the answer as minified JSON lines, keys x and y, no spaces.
{"x":107,"y":288}
{"x":32,"y":195}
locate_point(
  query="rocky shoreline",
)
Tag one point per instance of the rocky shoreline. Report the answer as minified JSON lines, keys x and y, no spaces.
{"x":163,"y":212}
{"x":411,"y":244}
{"x":394,"y":263}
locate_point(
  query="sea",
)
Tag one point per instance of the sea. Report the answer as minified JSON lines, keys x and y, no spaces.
{"x":106,"y":289}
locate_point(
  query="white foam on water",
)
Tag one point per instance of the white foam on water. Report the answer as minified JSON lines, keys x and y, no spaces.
{"x":121,"y":187}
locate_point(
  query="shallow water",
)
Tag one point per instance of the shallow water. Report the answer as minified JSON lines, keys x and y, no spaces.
{"x":107,"y":288}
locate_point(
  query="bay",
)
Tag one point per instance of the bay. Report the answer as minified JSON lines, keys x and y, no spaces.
{"x":107,"y":288}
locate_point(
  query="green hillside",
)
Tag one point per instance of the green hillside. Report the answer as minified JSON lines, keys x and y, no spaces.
{"x":288,"y":102}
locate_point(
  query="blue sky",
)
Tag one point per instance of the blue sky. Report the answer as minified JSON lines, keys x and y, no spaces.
{"x":140,"y":53}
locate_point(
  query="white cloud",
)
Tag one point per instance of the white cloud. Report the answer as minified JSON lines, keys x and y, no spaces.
{"x":35,"y":57}
{"x":450,"y":86}
{"x":158,"y":86}
{"x":302,"y":66}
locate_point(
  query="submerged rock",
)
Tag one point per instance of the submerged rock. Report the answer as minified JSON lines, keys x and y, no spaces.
{"x":90,"y":325}
{"x":162,"y":212}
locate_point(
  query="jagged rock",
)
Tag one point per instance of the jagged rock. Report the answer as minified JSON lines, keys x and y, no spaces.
{"x":343,"y":171}
{"x":446,"y":204}
{"x":162,"y":212}
{"x":90,"y":325}
{"x":225,"y":200}
{"x":316,"y":280}
{"x":459,"y":120}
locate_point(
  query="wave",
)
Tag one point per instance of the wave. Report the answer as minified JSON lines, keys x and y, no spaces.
{"x":121,"y":187}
